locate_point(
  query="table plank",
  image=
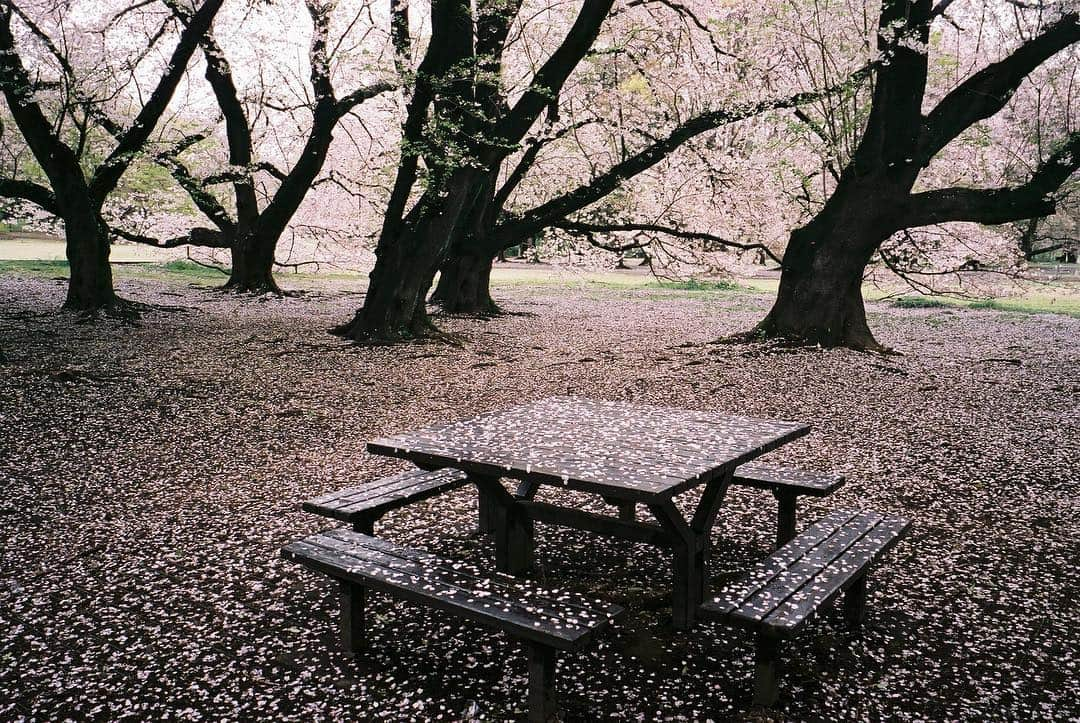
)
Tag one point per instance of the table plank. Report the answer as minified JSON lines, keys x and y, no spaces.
{"x":628,"y":451}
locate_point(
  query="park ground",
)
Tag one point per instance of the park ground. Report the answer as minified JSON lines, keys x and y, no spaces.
{"x":150,"y":473}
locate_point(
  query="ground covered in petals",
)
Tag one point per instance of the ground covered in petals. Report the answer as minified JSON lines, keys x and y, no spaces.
{"x":150,"y":473}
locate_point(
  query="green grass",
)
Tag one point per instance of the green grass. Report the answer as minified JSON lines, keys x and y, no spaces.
{"x":699,"y":285}
{"x":187,"y":269}
{"x":34,"y":268}
{"x":1041,"y":301}
{"x":920,"y":302}
{"x":175,"y":270}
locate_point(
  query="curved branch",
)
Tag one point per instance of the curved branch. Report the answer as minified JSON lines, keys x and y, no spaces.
{"x":997,"y":205}
{"x":36,"y":194}
{"x":985,"y":93}
{"x":199,"y":236}
{"x":581,"y":227}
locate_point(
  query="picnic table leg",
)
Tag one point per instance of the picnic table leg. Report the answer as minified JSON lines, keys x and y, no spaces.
{"x":709,"y":506}
{"x":688,"y":563}
{"x":513,"y":528}
{"x":627,"y":510}
{"x":542,"y":704}
{"x":485,"y":514}
{"x":365,"y":525}
{"x":785,"y":521}
{"x":352,"y":598}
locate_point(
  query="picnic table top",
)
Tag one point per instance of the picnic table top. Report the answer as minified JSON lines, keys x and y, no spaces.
{"x":618,"y":449}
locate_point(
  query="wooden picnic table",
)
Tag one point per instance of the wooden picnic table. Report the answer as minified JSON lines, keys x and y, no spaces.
{"x":627,"y":453}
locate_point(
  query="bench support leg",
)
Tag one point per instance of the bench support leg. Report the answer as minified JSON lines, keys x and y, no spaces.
{"x":855,"y":602}
{"x":785,"y":519}
{"x":365,"y":525}
{"x":766,"y":671}
{"x":542,"y":704}
{"x":352,"y":597}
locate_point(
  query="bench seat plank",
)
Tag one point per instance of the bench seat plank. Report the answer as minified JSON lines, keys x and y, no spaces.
{"x":792,"y":479}
{"x":381,"y":496}
{"x":561,"y":620}
{"x":783,"y":591}
{"x":733,"y":594}
{"x":831,"y":581}
{"x":805,"y":569}
{"x":465,"y":574}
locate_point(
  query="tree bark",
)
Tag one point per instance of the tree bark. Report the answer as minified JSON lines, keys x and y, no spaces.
{"x":394,"y":307}
{"x":253,"y":265}
{"x":1027,"y":240}
{"x":90,"y":287}
{"x":465,"y":285}
{"x":820,"y":296}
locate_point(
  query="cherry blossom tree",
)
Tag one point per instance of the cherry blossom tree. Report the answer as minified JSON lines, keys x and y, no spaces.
{"x":253,"y":223}
{"x":58,"y":103}
{"x":820,"y":298}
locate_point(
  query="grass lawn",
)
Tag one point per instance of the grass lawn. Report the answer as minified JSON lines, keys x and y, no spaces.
{"x":45,"y":258}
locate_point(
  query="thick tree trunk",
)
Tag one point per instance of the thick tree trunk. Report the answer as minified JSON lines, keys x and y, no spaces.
{"x":820,"y":296}
{"x":90,"y":287}
{"x":465,"y":285}
{"x":253,"y":265}
{"x":394,"y":308}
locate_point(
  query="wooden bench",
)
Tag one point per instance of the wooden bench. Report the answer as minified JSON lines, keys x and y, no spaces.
{"x":362,"y":506}
{"x":781,"y":593}
{"x":544,"y":620}
{"x":787,"y":484}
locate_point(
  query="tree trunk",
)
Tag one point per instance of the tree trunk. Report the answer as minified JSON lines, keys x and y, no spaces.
{"x":90,"y":287}
{"x":394,"y":307}
{"x":253,"y":265}
{"x":1027,"y":240}
{"x":406,"y":260}
{"x":820,"y":296}
{"x":465,"y":285}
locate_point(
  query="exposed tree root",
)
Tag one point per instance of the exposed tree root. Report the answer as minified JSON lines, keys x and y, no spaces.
{"x":766,"y":333}
{"x":419,"y":329}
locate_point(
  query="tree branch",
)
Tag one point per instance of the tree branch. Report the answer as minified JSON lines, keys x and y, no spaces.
{"x":549,"y":79}
{"x":134,"y":138}
{"x":998,"y":205}
{"x":36,"y":194}
{"x":985,"y":93}
{"x":581,"y":227}
{"x":562,"y":206}
{"x":205,"y":237}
